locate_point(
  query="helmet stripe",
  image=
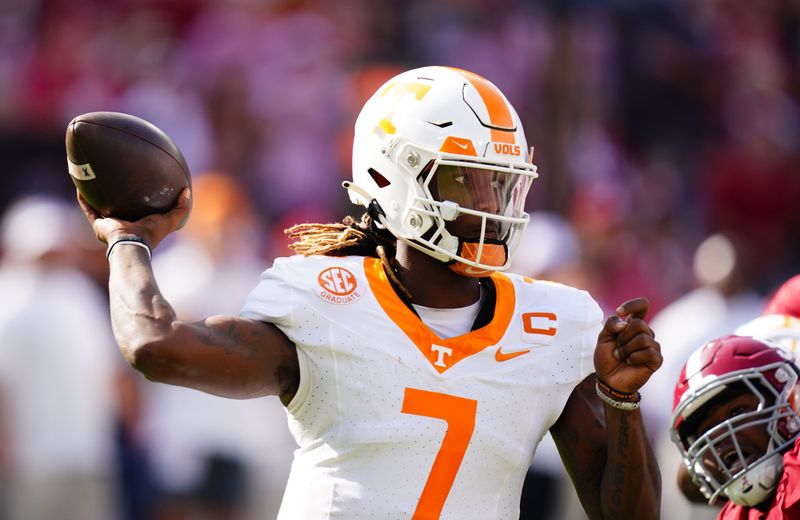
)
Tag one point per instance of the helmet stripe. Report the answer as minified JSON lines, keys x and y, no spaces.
{"x":499,"y":114}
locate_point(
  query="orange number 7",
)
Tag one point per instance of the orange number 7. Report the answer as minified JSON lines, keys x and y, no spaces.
{"x":459,"y":414}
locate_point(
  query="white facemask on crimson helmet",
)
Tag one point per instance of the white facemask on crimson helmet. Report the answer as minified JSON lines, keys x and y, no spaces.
{"x":435,"y":144}
{"x":717,"y":460}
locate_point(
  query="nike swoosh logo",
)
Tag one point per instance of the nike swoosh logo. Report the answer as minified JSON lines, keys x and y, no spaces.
{"x":472,"y":270}
{"x":499,"y":356}
{"x":463,"y":146}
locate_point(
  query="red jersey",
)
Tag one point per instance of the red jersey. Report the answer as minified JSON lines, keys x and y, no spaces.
{"x":785,"y":504}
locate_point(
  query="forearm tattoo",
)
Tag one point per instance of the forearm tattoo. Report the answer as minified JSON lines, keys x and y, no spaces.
{"x":620,"y":469}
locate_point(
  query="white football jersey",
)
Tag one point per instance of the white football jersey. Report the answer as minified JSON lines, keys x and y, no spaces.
{"x":393,"y":422}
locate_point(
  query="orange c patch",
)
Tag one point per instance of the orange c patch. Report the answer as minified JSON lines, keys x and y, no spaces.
{"x":540,"y":323}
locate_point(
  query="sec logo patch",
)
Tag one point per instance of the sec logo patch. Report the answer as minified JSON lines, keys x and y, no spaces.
{"x":338,"y":285}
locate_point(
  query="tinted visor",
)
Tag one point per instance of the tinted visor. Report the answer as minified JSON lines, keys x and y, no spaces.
{"x":491,"y":191}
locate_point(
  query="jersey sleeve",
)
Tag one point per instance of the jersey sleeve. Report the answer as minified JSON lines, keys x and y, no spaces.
{"x":585,"y":318}
{"x":273,"y":299}
{"x":787,"y":495}
{"x":591,"y":330}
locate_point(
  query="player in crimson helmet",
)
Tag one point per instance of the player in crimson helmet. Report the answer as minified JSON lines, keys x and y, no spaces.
{"x":736,"y":424}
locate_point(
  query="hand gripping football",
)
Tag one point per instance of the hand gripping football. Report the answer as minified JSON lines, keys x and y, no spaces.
{"x":124,"y":166}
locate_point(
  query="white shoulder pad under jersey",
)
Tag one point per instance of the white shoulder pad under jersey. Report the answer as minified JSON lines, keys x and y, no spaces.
{"x":395,"y":422}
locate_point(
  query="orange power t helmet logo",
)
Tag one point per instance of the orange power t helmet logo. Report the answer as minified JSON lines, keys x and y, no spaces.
{"x":394,"y":93}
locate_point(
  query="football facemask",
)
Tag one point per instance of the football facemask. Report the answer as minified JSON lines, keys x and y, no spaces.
{"x":482,"y":207}
{"x":718,"y":459}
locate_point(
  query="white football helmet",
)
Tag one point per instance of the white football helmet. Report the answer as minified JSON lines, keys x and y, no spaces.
{"x":778,"y":328}
{"x":436,"y":143}
{"x":718,"y":462}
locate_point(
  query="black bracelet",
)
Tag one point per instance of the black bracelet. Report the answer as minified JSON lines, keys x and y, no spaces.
{"x":615,"y":403}
{"x":616,"y":394}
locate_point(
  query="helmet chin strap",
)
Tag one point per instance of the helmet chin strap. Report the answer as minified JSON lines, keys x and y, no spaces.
{"x":358,"y":190}
{"x":494,"y":253}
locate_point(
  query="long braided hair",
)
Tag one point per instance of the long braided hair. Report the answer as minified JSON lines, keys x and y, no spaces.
{"x":348,"y":237}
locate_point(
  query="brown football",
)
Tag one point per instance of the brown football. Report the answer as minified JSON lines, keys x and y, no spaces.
{"x":125,"y":167}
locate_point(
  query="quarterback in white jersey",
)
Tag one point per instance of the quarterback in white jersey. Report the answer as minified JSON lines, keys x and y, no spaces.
{"x":411,"y":421}
{"x":418,"y":379}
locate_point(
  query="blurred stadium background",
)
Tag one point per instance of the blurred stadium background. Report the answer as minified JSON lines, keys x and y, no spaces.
{"x":667,"y":135}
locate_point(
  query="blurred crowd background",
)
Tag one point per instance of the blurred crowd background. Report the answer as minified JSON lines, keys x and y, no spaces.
{"x":667,"y":135}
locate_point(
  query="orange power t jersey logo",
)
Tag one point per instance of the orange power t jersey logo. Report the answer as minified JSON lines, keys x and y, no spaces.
{"x":338,"y":285}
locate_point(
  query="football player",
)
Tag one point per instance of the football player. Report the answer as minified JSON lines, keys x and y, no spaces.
{"x":736,"y":423}
{"x":775,"y":327}
{"x":418,"y":379}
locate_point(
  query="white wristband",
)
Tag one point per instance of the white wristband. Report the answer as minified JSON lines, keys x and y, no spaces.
{"x":134,"y":241}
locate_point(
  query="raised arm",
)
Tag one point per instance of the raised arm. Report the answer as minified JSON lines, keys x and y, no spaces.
{"x":604,"y":448}
{"x":222,"y":355}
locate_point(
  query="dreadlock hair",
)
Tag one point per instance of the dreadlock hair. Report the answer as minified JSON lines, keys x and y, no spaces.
{"x":349,"y":237}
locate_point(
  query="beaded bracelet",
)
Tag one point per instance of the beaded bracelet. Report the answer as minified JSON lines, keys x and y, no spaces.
{"x":616,"y":394}
{"x":134,"y":241}
{"x":617,"y":399}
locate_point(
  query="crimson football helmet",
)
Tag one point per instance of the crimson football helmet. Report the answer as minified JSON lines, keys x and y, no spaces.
{"x":437,"y":143}
{"x":719,"y":370}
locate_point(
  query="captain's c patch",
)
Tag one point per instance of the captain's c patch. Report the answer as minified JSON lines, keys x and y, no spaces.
{"x":539,"y":327}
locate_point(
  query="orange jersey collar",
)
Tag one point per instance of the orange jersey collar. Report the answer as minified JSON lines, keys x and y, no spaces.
{"x":441,"y":353}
